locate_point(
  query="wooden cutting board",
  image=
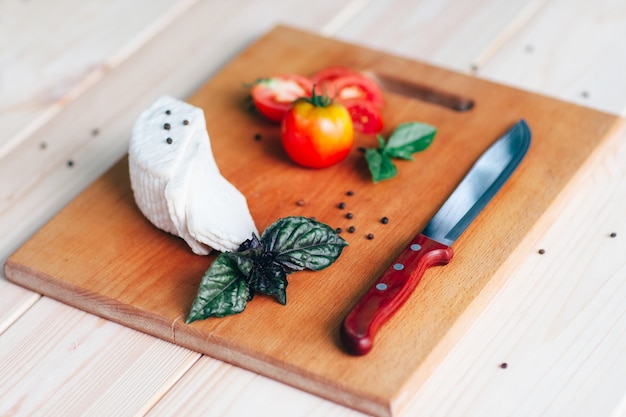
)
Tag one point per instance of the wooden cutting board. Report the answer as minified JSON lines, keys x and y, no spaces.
{"x":99,"y":254}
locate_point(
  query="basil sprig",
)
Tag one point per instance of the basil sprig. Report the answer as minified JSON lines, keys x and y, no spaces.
{"x":261,"y":266}
{"x":407,"y":139}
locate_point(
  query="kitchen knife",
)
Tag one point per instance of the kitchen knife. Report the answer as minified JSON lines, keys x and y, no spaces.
{"x":431,"y":247}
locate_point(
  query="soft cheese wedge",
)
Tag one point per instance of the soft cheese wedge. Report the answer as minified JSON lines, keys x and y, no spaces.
{"x":177,"y":184}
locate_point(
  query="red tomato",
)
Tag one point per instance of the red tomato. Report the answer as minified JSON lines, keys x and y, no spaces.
{"x":317,"y":133}
{"x":273,"y":96}
{"x":366,"y":117}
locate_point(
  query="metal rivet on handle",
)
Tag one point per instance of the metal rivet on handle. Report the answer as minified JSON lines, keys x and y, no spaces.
{"x":398,"y":267}
{"x":381,"y":286}
{"x":415,"y":247}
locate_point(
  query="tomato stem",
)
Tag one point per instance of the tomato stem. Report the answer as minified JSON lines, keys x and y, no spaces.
{"x":318,"y":100}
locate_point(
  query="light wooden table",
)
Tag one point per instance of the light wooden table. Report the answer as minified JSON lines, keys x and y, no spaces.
{"x":74,"y":75}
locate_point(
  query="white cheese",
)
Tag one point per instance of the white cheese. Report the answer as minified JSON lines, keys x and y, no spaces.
{"x":177,"y":184}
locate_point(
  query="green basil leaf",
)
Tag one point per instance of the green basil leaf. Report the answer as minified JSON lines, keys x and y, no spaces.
{"x":301,"y":243}
{"x":380,"y":165}
{"x":409,"y":137}
{"x":400,"y":153}
{"x":270,"y":280}
{"x":223,"y":290}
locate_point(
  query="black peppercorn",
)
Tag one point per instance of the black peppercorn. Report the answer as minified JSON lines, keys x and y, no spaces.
{"x":185,"y":122}
{"x":613,"y":234}
{"x":384,"y":220}
{"x":342,"y":205}
{"x":339,"y":230}
{"x":370,"y":236}
{"x":541,"y":251}
{"x":169,"y":141}
{"x":349,"y":215}
{"x":351,"y":229}
{"x":350,"y":193}
{"x":168,"y":112}
{"x":166,"y":126}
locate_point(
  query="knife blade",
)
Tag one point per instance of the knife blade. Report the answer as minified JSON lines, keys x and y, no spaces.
{"x":432,"y":246}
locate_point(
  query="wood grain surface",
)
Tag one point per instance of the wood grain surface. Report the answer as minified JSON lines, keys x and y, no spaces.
{"x":99,"y":254}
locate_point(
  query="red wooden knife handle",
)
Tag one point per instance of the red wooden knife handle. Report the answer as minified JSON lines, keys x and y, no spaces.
{"x":390,"y":292}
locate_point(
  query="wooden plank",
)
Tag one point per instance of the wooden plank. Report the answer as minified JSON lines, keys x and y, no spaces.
{"x":91,"y":363}
{"x":569,"y":50}
{"x":14,"y":302}
{"x":581,"y":59}
{"x":41,"y":71}
{"x":76,"y":172}
{"x":244,"y":339}
{"x":433,"y":31}
{"x":214,"y":388}
{"x":447,"y":388}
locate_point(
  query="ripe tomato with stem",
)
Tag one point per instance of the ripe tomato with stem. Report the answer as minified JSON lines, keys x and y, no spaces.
{"x":317,"y":132}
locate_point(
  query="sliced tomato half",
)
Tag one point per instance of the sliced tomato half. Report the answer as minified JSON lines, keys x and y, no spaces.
{"x":358,"y":87}
{"x":273,"y":96}
{"x":366,"y":117}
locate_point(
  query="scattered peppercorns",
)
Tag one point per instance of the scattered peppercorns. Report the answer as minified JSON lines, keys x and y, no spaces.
{"x":350,"y":215}
{"x":168,"y":112}
{"x":504,"y":365}
{"x":613,"y":234}
{"x":185,"y":122}
{"x":169,"y":141}
{"x":541,"y":251}
{"x":70,"y":163}
{"x":167,"y":126}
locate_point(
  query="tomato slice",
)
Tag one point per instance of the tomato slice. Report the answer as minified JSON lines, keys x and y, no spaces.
{"x":366,"y":117}
{"x":358,"y":87}
{"x":273,"y":96}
